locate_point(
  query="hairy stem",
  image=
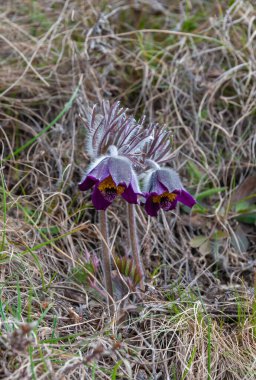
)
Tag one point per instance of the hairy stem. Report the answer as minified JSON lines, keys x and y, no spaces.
{"x":152,"y":164}
{"x":106,"y":258}
{"x":134,"y":241}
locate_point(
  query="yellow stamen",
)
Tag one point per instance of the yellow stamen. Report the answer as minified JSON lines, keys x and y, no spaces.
{"x":108,"y":183}
{"x":170,"y":196}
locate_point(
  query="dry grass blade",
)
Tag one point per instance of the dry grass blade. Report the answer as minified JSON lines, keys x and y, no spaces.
{"x":189,"y":66}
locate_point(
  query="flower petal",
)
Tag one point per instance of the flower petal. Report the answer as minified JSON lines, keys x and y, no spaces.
{"x":151,"y":207}
{"x":129,"y":195}
{"x":100,"y":170}
{"x":120,"y":170}
{"x":97,"y":171}
{"x":131,"y":192}
{"x":99,"y":202}
{"x":135,"y":184}
{"x":186,"y":198}
{"x":169,"y":178}
{"x":87,"y":182}
{"x":154,"y":185}
{"x":173,"y":205}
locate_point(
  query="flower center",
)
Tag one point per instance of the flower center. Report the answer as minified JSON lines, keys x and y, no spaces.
{"x":165,"y":200}
{"x":109,"y":189}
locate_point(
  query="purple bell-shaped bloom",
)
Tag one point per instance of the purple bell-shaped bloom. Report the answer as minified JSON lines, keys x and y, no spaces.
{"x":111,"y":176}
{"x":163,"y":189}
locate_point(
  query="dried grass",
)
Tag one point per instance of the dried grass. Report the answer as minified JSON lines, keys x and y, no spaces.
{"x":189,"y":66}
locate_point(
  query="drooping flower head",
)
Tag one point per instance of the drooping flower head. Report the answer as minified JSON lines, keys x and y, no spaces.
{"x":114,"y":142}
{"x":163,"y":189}
{"x":111,"y":176}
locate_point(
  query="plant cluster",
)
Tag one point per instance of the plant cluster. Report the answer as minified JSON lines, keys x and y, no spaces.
{"x":124,"y":153}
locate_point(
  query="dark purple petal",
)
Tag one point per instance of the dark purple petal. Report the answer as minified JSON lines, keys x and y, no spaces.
{"x":186,"y":198}
{"x":86,"y":183}
{"x":99,"y":202}
{"x":109,"y":194}
{"x":151,"y":207}
{"x":132,"y":191}
{"x":120,"y":170}
{"x":98,"y":173}
{"x":169,"y":178}
{"x":172,"y":205}
{"x":129,"y":195}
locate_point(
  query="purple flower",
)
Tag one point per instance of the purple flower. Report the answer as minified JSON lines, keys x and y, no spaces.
{"x":163,"y":189}
{"x":111,"y":176}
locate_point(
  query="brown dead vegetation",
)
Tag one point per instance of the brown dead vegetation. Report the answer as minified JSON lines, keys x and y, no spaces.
{"x":191,"y":66}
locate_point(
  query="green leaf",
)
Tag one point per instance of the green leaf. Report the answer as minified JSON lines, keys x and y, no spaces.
{"x":197,"y":241}
{"x":4,"y":207}
{"x":51,"y":230}
{"x":247,"y":218}
{"x":189,"y":25}
{"x":242,"y":206}
{"x":4,"y":258}
{"x":198,"y":209}
{"x":205,"y":248}
{"x":209,"y":193}
{"x":80,"y":274}
{"x":240,"y":241}
{"x":219,"y":235}
{"x":194,"y":171}
{"x":115,"y":369}
{"x":128,"y":268}
{"x":189,"y":364}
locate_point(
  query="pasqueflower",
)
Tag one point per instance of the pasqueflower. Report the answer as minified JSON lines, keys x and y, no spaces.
{"x":163,"y":189}
{"x":111,"y":176}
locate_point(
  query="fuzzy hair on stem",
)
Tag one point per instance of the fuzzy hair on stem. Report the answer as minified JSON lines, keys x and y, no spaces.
{"x":134,"y":241}
{"x":106,"y":259}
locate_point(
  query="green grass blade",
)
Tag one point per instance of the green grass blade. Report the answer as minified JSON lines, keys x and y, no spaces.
{"x":43,"y":315}
{"x":44,"y":130}
{"x":190,"y":362}
{"x":209,"y":193}
{"x":115,"y":369}
{"x":4,"y":212}
{"x":32,"y":364}
{"x":19,"y":304}
{"x":55,"y":321}
{"x":94,"y":371}
{"x":2,"y":313}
